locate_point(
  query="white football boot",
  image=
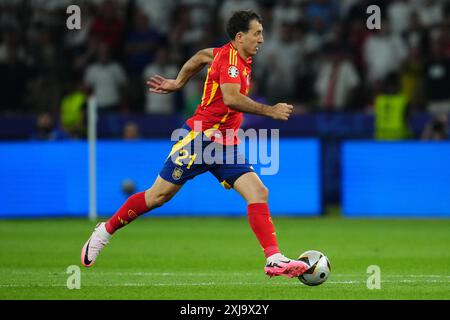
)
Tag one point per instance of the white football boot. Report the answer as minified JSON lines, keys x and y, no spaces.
{"x":91,"y":249}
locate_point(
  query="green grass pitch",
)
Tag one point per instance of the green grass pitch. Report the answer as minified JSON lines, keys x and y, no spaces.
{"x":219,"y":258}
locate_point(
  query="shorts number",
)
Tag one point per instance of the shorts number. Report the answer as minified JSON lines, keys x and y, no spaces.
{"x":183,"y":155}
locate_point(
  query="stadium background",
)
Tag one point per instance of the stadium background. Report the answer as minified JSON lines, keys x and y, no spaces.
{"x":368,"y":138}
{"x":390,"y":84}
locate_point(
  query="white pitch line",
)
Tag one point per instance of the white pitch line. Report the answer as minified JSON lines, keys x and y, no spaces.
{"x":396,"y":275}
{"x":208,"y":274}
{"x":213,"y":284}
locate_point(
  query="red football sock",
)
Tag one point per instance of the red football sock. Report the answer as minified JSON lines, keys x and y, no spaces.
{"x":130,"y":210}
{"x":262,"y":226}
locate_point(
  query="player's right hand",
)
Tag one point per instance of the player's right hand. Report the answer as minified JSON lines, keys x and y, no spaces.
{"x":159,"y":84}
{"x":281,"y":111}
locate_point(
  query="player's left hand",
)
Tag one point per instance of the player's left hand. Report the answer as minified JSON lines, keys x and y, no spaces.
{"x":161,"y":85}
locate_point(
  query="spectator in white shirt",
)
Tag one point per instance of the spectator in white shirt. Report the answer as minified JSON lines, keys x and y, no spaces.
{"x":106,"y":78}
{"x":399,"y":12}
{"x":336,"y":80}
{"x":383,"y":53}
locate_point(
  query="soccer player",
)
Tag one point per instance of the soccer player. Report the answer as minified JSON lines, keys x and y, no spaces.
{"x":216,"y":121}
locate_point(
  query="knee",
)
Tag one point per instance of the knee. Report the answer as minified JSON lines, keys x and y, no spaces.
{"x":265,"y":193}
{"x":261,"y":194}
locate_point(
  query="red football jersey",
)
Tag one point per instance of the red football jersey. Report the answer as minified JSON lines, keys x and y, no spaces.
{"x":216,"y":117}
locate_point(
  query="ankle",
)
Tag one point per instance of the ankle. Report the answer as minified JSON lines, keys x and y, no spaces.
{"x":104,"y":232}
{"x":271,"y":250}
{"x":275,"y":257}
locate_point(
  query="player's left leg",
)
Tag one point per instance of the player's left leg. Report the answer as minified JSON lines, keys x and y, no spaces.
{"x":250,"y":186}
{"x":171,"y":178}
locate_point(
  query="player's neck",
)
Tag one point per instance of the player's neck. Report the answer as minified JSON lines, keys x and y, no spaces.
{"x":240,"y":51}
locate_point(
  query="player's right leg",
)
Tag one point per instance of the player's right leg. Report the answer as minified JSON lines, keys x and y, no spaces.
{"x":136,"y":205}
{"x":251,"y":188}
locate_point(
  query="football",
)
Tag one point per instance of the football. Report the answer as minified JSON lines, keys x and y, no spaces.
{"x":319,"y":268}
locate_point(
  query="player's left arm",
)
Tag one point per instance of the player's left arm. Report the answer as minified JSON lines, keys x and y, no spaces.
{"x":159,"y":84}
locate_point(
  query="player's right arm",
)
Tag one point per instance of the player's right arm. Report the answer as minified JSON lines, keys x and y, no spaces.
{"x":234,"y":99}
{"x":159,"y":84}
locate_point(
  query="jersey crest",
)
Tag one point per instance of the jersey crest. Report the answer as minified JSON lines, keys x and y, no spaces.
{"x":233,"y":71}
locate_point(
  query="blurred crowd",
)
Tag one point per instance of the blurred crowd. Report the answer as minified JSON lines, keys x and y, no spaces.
{"x":318,"y":55}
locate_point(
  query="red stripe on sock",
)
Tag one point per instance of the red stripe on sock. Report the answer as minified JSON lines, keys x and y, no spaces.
{"x":262,"y":226}
{"x":130,"y":210}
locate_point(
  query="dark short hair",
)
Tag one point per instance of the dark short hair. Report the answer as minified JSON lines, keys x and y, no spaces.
{"x":240,"y":22}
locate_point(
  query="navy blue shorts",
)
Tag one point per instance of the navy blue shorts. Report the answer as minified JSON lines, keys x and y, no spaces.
{"x":195,"y":154}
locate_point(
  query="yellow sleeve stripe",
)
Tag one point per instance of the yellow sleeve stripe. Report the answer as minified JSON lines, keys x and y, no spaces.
{"x":233,"y":57}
